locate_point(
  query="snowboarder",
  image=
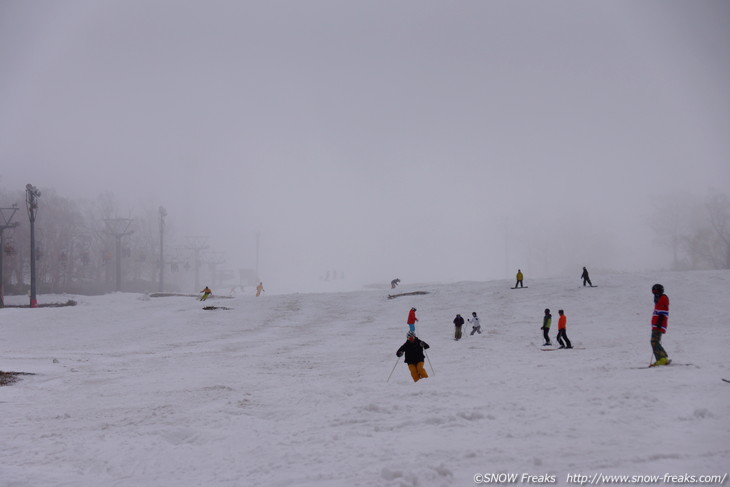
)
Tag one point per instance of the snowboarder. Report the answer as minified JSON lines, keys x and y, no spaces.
{"x":585,"y":278}
{"x":206,"y":292}
{"x":561,"y":331}
{"x":659,"y":324}
{"x":394,"y":283}
{"x":458,"y":321}
{"x":259,"y":289}
{"x":412,"y":320}
{"x":546,"y":321}
{"x":519,"y":278}
{"x":413,"y":348}
{"x":476,"y":327}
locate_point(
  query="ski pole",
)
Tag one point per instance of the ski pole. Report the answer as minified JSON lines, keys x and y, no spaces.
{"x":429,"y":363}
{"x":394,"y":365}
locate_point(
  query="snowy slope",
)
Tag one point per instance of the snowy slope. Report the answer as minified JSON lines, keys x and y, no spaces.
{"x":290,"y":390}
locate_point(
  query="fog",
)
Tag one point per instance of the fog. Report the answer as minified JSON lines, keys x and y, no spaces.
{"x":430,"y":141}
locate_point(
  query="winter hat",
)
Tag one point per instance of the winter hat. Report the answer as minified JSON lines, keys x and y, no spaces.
{"x":411,"y":334}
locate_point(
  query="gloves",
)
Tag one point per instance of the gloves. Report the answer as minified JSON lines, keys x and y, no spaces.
{"x":398,"y":354}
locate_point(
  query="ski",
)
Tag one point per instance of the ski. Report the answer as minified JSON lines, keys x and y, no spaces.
{"x":564,"y":348}
{"x":525,"y":287}
{"x":726,"y":380}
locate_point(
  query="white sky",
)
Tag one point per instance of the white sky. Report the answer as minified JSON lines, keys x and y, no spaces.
{"x":383,"y":139}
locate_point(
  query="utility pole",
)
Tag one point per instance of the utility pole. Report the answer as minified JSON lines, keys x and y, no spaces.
{"x":7,"y":218}
{"x":31,"y":202}
{"x":197,"y":244}
{"x":163,"y":214}
{"x":118,"y":227}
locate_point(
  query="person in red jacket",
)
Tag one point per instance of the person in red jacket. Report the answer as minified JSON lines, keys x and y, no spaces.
{"x":659,"y":324}
{"x":562,"y":321}
{"x":412,"y":320}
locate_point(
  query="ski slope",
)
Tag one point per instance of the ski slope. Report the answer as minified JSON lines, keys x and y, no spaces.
{"x":290,"y":390}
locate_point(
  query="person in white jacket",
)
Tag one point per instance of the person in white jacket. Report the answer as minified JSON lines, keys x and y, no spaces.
{"x":476,"y":327}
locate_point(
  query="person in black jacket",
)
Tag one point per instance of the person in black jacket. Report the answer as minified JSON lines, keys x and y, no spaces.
{"x":458,"y":321}
{"x":585,"y":278}
{"x":413,"y":349}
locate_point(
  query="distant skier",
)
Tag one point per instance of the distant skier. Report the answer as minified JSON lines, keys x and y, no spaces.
{"x":206,"y":292}
{"x":585,"y":278}
{"x":259,"y":289}
{"x":458,"y":322}
{"x":561,"y":331}
{"x":412,"y":320}
{"x":394,"y":283}
{"x":659,"y":324}
{"x":476,"y":327}
{"x":519,"y":278}
{"x":413,"y":349}
{"x":546,"y":321}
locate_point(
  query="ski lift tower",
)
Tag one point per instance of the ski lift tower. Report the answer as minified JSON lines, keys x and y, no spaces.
{"x":31,"y":202}
{"x":163,"y":214}
{"x":196,"y":244}
{"x":7,"y":215}
{"x":118,"y":227}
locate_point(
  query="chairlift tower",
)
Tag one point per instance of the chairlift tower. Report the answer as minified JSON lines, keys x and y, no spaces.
{"x":31,"y":202}
{"x":118,"y":227}
{"x":7,"y":215}
{"x":196,"y":244}
{"x":163,"y":214}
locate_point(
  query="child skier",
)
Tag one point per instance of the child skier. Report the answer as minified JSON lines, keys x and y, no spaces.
{"x":476,"y":327}
{"x":412,"y":320}
{"x":659,"y":324}
{"x":546,"y":321}
{"x":561,"y":330}
{"x":413,"y":348}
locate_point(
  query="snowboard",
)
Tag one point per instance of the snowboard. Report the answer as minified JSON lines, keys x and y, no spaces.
{"x":673,"y":364}
{"x":558,"y":348}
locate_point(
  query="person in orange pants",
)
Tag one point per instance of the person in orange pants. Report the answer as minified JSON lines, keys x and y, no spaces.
{"x":413,"y":349}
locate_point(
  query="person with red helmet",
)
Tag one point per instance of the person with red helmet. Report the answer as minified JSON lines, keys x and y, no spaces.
{"x":659,"y":324}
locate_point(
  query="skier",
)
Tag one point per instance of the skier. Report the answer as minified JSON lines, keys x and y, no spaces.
{"x":546,"y":321}
{"x":206,"y":292}
{"x":561,"y":331}
{"x":476,"y":327}
{"x":259,"y":289}
{"x":519,"y":278}
{"x":394,"y":283}
{"x":413,"y":348}
{"x":458,"y":321}
{"x":585,"y":278}
{"x":659,"y":324}
{"x":412,"y":320}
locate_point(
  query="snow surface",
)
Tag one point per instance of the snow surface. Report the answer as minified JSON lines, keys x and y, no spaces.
{"x":291,"y":390}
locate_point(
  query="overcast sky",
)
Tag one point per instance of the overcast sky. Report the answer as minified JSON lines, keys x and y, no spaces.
{"x":424,"y":140}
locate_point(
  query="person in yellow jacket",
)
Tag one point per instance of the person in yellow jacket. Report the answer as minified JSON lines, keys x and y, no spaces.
{"x":259,"y":289}
{"x":206,"y":292}
{"x":519,"y":278}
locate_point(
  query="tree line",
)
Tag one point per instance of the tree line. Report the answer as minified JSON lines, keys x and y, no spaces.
{"x":695,"y":230}
{"x":76,"y":248}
